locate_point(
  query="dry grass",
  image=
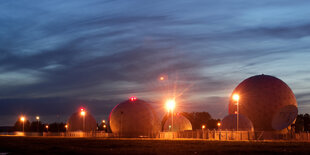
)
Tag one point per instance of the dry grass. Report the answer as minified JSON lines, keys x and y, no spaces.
{"x":53,"y":145}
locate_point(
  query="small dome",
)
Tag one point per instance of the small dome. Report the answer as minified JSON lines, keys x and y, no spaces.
{"x":75,"y":122}
{"x":180,"y":123}
{"x":134,"y":118}
{"x":230,"y":123}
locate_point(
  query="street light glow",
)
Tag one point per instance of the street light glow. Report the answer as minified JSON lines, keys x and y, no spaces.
{"x":236,"y":97}
{"x":46,"y":126}
{"x":203,"y":127}
{"x":103,"y":121}
{"x":83,"y":113}
{"x":66,"y":126}
{"x":170,"y":104}
{"x":37,"y":117}
{"x":104,"y":126}
{"x":218,"y":124}
{"x":22,"y":118}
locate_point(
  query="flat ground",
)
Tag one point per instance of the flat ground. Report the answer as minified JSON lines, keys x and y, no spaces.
{"x":58,"y":145}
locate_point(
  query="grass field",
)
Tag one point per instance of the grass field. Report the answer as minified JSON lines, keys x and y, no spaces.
{"x":54,"y":145}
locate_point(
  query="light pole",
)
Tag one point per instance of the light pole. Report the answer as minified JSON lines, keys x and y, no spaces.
{"x":23,"y":120}
{"x":236,"y":98}
{"x":38,"y":118}
{"x":83,"y":113}
{"x":66,"y":126}
{"x":170,"y":105}
{"x":218,"y":125}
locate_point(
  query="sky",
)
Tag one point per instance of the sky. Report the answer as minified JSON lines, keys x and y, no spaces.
{"x":57,"y":56}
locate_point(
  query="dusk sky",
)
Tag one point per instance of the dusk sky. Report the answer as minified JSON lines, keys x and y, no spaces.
{"x":56,"y":56}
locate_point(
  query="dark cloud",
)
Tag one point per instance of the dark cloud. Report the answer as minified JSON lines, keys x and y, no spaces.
{"x":53,"y":58}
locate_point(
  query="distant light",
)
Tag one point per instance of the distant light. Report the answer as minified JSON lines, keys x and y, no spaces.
{"x":162,"y":78}
{"x":22,"y":118}
{"x":218,"y":124}
{"x":83,"y":113}
{"x":236,"y":112}
{"x":170,"y":104}
{"x":46,"y":126}
{"x":104,"y":126}
{"x":203,"y":127}
{"x":236,"y":97}
{"x":82,"y":109}
{"x":103,"y":121}
{"x":133,"y":98}
{"x":66,"y":126}
{"x":37,"y":117}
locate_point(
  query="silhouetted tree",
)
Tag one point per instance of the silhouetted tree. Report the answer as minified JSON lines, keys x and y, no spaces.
{"x":56,"y":127}
{"x":201,"y":118}
{"x":302,"y":123}
{"x":18,"y":126}
{"x":36,"y":126}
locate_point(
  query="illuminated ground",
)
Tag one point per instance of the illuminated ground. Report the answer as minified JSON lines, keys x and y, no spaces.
{"x":43,"y":145}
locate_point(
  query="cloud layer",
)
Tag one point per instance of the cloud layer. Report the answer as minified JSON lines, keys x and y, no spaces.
{"x":57,"y":56}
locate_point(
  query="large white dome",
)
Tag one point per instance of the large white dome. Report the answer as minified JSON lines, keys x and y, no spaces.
{"x":267,"y":101}
{"x":134,"y":118}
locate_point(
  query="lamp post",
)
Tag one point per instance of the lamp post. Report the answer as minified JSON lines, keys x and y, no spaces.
{"x":236,"y":98}
{"x":66,"y":126}
{"x":38,"y":119}
{"x":83,"y":113}
{"x":23,"y":120}
{"x":219,"y":125}
{"x":170,"y":105}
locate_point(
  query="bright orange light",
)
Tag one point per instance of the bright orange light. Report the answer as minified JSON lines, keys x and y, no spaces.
{"x":236,"y":97}
{"x":162,"y":78}
{"x":83,"y":113}
{"x":133,"y":98}
{"x":203,"y":127}
{"x":170,"y":104}
{"x":22,"y":118}
{"x":103,"y":121}
{"x":46,"y":126}
{"x":104,"y":126}
{"x":218,"y":124}
{"x":37,"y":117}
{"x":236,"y":112}
{"x":66,"y":126}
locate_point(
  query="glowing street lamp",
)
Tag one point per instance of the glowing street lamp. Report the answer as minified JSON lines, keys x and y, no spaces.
{"x":103,"y":121}
{"x":170,"y":105}
{"x":38,"y":119}
{"x":219,"y":125}
{"x":236,"y":98}
{"x":22,"y":119}
{"x":83,"y":113}
{"x":104,"y":126}
{"x":203,"y":127}
{"x":46,"y":126}
{"x":66,"y":126}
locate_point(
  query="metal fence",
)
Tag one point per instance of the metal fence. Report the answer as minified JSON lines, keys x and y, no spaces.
{"x":235,"y":135}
